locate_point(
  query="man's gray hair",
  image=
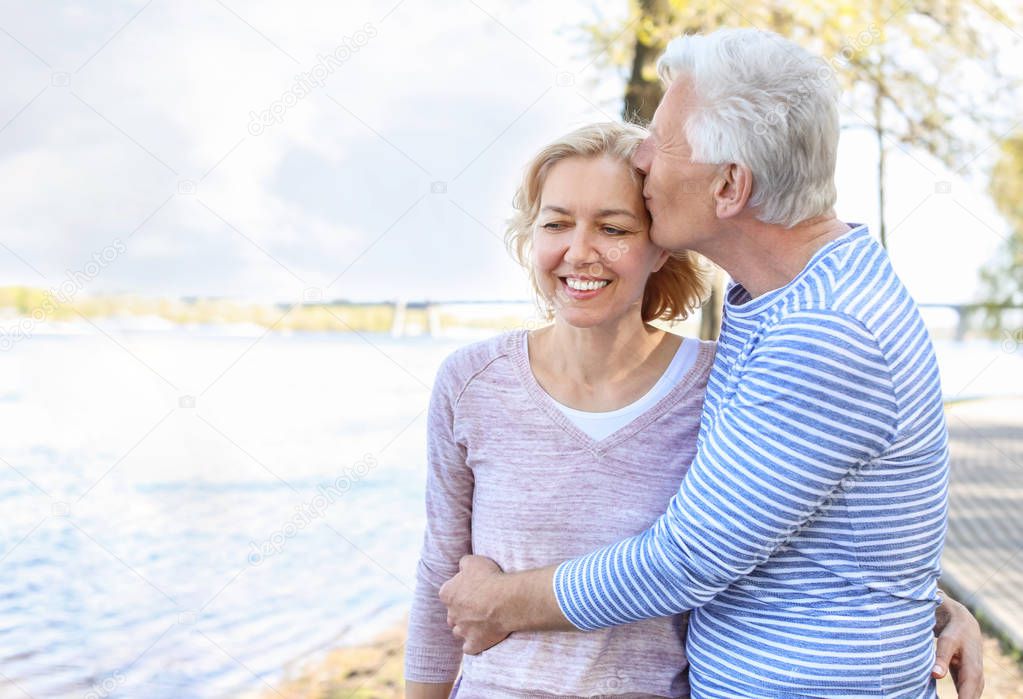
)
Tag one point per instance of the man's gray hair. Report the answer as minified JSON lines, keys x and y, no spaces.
{"x":766,"y":103}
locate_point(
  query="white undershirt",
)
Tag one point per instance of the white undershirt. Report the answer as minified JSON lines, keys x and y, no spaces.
{"x":600,"y":425}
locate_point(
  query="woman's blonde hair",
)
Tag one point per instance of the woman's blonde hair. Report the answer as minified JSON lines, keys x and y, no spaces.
{"x":673,"y":291}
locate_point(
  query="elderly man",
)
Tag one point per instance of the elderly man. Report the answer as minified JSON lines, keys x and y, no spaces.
{"x":807,"y":534}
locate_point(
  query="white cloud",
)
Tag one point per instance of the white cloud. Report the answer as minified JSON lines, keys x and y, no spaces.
{"x":446,"y":91}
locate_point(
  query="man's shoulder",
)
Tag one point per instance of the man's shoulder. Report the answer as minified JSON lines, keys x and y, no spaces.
{"x":855,"y":282}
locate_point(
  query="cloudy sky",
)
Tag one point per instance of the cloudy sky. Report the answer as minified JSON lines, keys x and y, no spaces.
{"x":391,"y":139}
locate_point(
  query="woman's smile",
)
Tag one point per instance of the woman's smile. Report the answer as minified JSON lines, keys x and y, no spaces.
{"x":582,"y":288}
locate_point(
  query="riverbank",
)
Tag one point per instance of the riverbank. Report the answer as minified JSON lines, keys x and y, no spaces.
{"x":374,"y":671}
{"x":370,"y":671}
{"x":27,"y":307}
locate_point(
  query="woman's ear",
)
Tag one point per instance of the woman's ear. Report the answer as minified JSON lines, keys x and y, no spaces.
{"x":733,"y":188}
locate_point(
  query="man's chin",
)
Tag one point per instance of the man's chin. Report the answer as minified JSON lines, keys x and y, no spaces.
{"x":669,"y":240}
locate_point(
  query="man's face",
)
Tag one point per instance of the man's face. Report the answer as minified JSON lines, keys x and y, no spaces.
{"x":678,"y":192}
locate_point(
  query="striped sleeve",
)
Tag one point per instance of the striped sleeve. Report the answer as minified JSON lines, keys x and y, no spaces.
{"x":811,"y":405}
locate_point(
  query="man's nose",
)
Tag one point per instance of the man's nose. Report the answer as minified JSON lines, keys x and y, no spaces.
{"x":640,"y":158}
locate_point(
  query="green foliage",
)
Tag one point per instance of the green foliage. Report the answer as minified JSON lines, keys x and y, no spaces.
{"x":1003,"y":279}
{"x":921,"y":57}
{"x":922,"y":75}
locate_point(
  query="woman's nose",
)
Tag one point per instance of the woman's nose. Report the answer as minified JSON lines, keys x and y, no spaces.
{"x":581,"y":249}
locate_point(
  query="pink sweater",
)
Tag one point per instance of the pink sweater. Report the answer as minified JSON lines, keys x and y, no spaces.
{"x":511,"y":478}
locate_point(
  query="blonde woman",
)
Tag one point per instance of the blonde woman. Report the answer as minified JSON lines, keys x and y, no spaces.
{"x":534,"y":436}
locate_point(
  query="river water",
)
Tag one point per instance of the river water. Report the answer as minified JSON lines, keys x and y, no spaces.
{"x":185,"y":512}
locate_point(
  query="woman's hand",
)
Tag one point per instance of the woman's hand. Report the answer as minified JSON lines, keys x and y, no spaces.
{"x":960,"y":648}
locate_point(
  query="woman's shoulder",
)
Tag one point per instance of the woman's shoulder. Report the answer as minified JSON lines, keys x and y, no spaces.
{"x":707,"y":348}
{"x":468,"y":361}
{"x":702,"y":350}
{"x":697,"y":361}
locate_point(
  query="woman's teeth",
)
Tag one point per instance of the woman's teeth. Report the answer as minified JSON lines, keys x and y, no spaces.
{"x":586,"y":285}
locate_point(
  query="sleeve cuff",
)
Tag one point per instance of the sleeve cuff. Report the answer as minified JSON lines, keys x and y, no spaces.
{"x":432,"y":664}
{"x":562,"y":581}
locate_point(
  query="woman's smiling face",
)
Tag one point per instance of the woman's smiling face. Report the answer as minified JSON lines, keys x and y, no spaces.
{"x":592,"y":254}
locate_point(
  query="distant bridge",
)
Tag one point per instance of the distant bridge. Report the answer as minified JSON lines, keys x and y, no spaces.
{"x":425,"y":317}
{"x":967,"y":315}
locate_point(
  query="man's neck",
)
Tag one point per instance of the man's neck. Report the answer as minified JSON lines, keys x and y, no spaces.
{"x":764,"y":257}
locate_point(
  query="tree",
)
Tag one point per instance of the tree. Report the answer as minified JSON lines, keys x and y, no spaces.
{"x":1003,"y":281}
{"x":643,"y":92}
{"x":914,"y":72}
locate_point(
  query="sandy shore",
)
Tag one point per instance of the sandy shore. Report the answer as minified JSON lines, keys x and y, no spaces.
{"x":369,"y":671}
{"x":374,"y":671}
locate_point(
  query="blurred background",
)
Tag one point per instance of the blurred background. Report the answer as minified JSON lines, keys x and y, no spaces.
{"x":238,"y":237}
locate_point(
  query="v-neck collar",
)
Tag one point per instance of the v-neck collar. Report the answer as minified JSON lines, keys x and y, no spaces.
{"x":517,"y":351}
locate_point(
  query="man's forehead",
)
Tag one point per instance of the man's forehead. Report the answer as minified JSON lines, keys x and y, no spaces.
{"x":670,"y":108}
{"x":657,"y":122}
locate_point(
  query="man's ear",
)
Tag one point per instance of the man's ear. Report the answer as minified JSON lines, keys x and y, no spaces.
{"x":733,"y":188}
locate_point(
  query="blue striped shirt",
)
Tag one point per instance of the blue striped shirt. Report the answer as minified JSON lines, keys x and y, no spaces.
{"x":808,"y":531}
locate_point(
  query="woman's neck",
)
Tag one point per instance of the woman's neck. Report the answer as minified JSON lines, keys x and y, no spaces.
{"x":598,"y":355}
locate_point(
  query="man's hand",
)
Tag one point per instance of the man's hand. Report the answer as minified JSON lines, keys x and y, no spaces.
{"x":473,"y":598}
{"x":485,"y":604}
{"x":960,"y":648}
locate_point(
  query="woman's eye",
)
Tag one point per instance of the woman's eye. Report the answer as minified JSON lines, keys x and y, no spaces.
{"x":552,"y":226}
{"x":614,"y":231}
